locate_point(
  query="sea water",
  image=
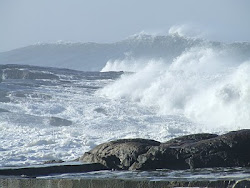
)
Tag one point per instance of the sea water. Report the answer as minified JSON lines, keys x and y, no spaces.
{"x":153,"y":87}
{"x":205,"y":174}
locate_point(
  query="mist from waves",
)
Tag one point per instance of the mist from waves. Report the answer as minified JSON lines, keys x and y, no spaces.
{"x":209,"y":85}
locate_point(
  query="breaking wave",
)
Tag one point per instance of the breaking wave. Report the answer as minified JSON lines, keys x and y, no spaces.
{"x":208,"y":83}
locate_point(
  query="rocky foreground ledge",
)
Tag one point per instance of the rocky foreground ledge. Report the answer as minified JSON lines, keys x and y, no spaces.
{"x":117,"y":183}
{"x":186,"y":152}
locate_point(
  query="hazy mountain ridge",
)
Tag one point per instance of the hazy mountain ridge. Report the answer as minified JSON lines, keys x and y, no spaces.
{"x":94,"y":56}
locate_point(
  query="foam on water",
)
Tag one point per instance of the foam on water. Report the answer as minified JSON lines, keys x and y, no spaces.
{"x":207,"y":174}
{"x":45,"y":119}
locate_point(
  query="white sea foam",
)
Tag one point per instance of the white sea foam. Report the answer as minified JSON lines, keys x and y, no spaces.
{"x":61,"y":119}
{"x":127,"y":65}
{"x":205,"y":85}
{"x":225,"y":102}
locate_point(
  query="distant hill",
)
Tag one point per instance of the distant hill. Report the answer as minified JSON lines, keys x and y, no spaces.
{"x":94,"y":56}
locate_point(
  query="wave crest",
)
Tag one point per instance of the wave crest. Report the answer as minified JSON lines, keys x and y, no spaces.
{"x":205,"y":84}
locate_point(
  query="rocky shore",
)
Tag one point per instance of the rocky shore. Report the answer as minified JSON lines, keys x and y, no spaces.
{"x":116,"y":183}
{"x":186,"y":152}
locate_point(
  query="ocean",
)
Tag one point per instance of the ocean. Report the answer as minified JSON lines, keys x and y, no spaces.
{"x":60,"y":100}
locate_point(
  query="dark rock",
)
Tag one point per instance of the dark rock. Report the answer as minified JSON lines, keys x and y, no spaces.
{"x":227,"y":150}
{"x":54,"y":161}
{"x":120,"y":154}
{"x":186,"y":152}
{"x":56,"y":121}
{"x":190,"y":138}
{"x":101,"y":111}
{"x":79,"y":182}
{"x":48,"y":169}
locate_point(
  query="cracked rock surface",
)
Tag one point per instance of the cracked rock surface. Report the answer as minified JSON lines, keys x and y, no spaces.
{"x":187,"y":152}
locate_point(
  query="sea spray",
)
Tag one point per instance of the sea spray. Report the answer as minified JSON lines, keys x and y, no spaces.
{"x":204,"y":84}
{"x":226,"y":102}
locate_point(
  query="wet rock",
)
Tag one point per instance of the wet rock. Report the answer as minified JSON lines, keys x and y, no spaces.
{"x":171,"y":154}
{"x":227,"y":150}
{"x":49,"y":169}
{"x":101,"y":111}
{"x":186,"y":152}
{"x":56,"y":121}
{"x":120,"y":154}
{"x":54,"y":161}
{"x":190,"y":138}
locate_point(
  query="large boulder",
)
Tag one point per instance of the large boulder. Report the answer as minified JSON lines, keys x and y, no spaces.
{"x":186,"y":152}
{"x":120,"y":154}
{"x":171,"y":154}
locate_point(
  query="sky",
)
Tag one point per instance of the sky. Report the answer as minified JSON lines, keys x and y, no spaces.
{"x":26,"y":22}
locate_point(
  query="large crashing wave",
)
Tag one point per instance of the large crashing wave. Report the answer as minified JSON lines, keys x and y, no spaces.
{"x":208,"y":82}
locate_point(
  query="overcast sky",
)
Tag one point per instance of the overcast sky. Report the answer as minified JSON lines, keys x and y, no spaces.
{"x":25,"y":22}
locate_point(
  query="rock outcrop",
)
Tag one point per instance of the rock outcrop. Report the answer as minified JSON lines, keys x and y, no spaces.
{"x":120,"y":154}
{"x":186,"y":152}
